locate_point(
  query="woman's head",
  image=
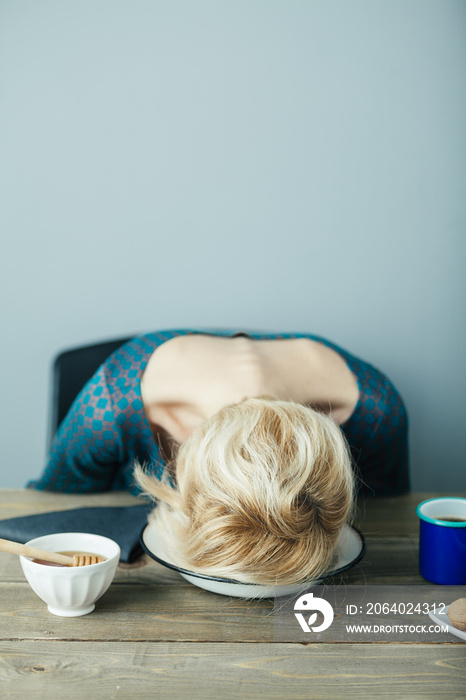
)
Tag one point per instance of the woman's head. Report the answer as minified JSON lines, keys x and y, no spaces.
{"x":265,"y":488}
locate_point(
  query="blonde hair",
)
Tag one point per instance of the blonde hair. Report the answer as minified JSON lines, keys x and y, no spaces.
{"x":263,"y":489}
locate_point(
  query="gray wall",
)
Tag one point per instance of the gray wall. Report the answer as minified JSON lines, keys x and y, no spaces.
{"x":284,"y":164}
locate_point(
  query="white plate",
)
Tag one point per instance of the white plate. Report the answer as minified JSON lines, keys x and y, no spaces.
{"x":441,"y":618}
{"x":351,"y":547}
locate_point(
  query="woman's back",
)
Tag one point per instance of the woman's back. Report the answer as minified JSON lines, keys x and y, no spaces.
{"x":191,"y":377}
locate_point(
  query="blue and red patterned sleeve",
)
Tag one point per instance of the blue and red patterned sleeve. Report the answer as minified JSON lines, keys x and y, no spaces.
{"x":87,"y":450}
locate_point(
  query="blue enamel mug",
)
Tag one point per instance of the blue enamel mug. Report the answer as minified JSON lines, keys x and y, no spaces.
{"x":442,"y":540}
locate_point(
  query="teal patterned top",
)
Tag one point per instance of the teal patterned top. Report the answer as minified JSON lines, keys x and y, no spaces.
{"x":106,"y":428}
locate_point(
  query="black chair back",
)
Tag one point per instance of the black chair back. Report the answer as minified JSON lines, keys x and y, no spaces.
{"x":71,"y":370}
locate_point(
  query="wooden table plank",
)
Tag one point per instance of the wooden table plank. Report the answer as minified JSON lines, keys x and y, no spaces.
{"x":394,"y":516}
{"x":131,"y":613}
{"x":17,"y":502}
{"x":185,"y":613}
{"x":379,"y":517}
{"x":233,"y":671}
{"x":389,"y":560}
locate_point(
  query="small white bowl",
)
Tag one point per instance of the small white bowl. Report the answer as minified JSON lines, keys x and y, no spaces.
{"x":72,"y":591}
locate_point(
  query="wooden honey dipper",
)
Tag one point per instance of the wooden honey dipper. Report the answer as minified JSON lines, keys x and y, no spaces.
{"x":52,"y":557}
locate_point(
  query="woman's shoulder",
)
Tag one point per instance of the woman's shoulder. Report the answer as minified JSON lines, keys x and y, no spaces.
{"x":136,"y":352}
{"x":138,"y":349}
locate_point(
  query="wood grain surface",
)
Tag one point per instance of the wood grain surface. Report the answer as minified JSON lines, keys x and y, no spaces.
{"x":155,"y":635}
{"x":233,"y":671}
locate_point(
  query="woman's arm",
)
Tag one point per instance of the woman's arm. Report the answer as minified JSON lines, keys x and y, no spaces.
{"x":87,"y":450}
{"x":383,"y":462}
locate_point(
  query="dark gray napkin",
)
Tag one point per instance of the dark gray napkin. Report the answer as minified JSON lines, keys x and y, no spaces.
{"x":123,"y":524}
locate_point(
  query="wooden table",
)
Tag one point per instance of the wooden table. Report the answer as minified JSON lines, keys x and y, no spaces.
{"x":155,"y":635}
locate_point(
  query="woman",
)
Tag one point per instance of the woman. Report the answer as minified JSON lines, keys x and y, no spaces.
{"x":184,"y":391}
